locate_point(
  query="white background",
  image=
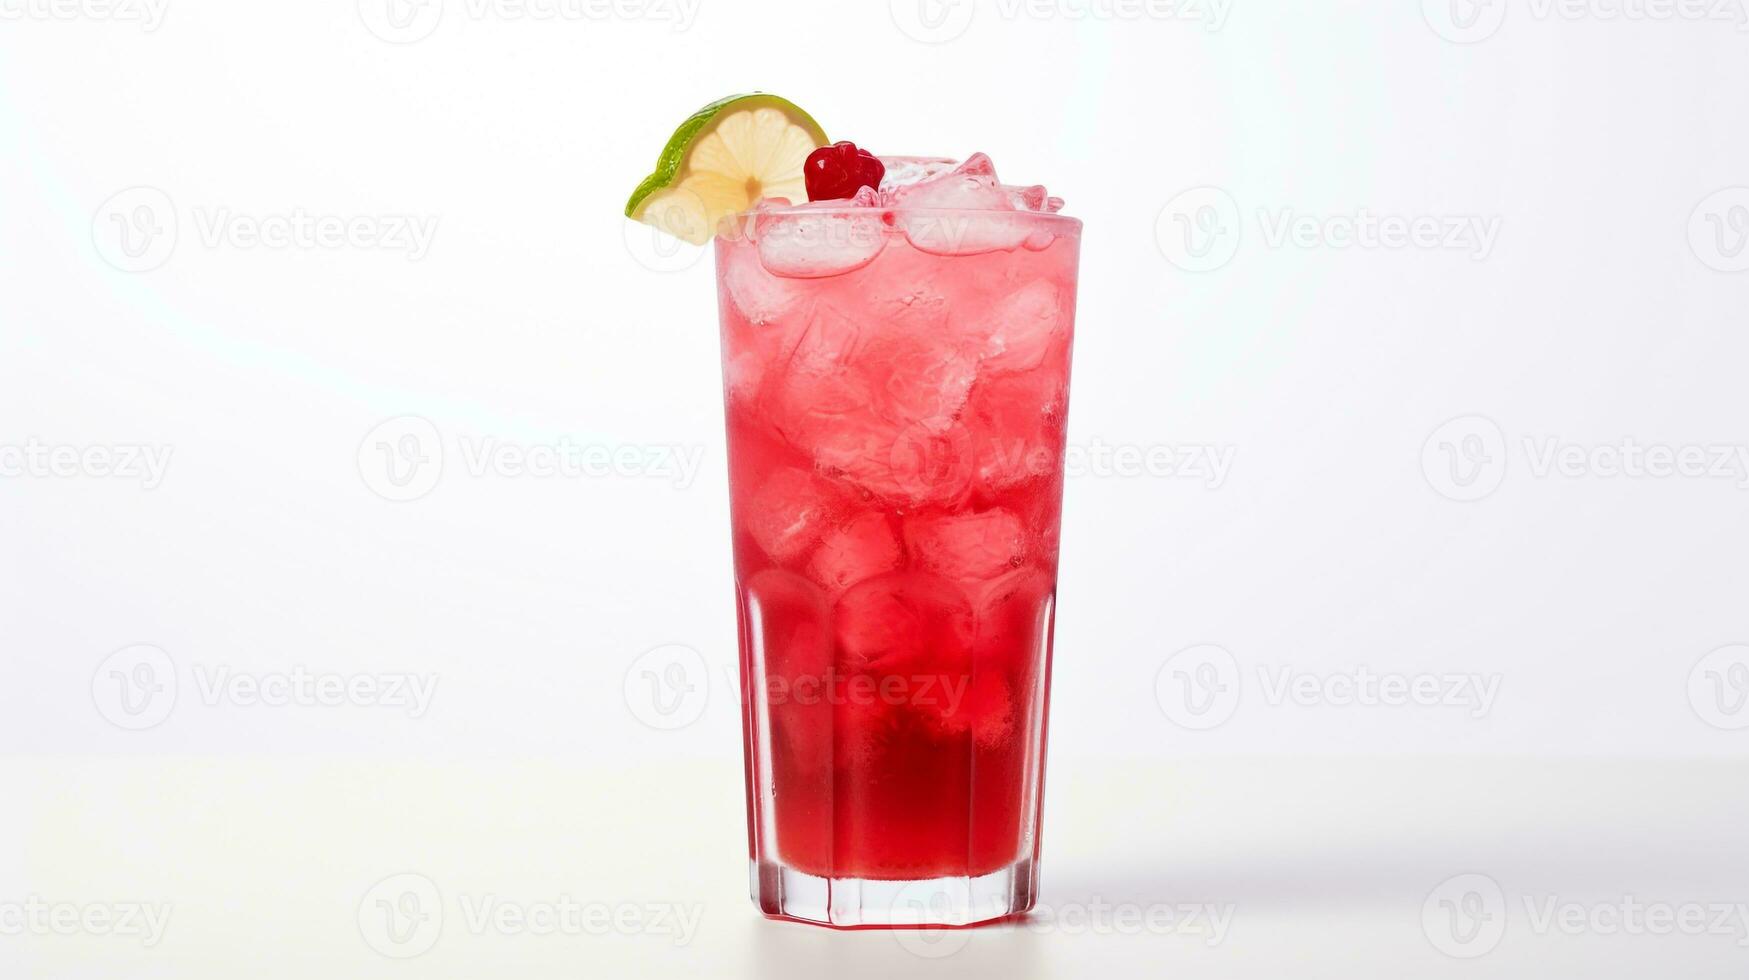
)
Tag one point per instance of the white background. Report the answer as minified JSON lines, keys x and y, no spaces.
{"x":1356,"y":527}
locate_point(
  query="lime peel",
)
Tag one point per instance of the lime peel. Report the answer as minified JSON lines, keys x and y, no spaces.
{"x":721,"y":159}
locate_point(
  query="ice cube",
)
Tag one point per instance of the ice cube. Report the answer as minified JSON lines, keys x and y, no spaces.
{"x":790,"y":622}
{"x":913,"y":305}
{"x":742,"y":374}
{"x":965,"y":211}
{"x":927,"y":465}
{"x":987,"y":708}
{"x":821,"y":392}
{"x":928,"y":384}
{"x":820,"y":376}
{"x":966,"y":232}
{"x":913,"y":635}
{"x":920,"y":369}
{"x":967,"y":547}
{"x":1026,"y":198}
{"x":1018,"y":329}
{"x":905,"y":171}
{"x":1035,"y":199}
{"x":905,"y":623}
{"x":1011,"y":615}
{"x":852,"y":446}
{"x":856,"y":552}
{"x":822,"y":401}
{"x":788,"y":513}
{"x":1038,"y":200}
{"x":914,"y":465}
{"x":971,"y":185}
{"x":763,"y":319}
{"x":877,"y":407}
{"x":827,"y":238}
{"x":1018,"y":419}
{"x":756,"y":294}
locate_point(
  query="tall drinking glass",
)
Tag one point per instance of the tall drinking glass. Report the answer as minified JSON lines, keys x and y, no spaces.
{"x":896,"y":385}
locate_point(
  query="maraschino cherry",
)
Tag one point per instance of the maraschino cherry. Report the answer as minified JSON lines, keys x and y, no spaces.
{"x":837,"y":172}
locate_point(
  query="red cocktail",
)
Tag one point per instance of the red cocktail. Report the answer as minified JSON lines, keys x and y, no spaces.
{"x":897,"y":377}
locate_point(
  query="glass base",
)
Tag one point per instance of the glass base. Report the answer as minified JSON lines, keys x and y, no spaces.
{"x":851,"y":903}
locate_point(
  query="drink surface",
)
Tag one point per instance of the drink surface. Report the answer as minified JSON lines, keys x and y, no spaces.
{"x":896,"y":387}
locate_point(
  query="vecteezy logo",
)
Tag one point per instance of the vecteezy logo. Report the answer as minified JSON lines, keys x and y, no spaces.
{"x":666,"y":688}
{"x":1465,"y":459}
{"x":401,"y":459}
{"x":1718,"y":230}
{"x":135,"y":687}
{"x":925,"y":905}
{"x":401,"y":21}
{"x":401,"y":916}
{"x":1718,"y":688}
{"x":1199,"y":230}
{"x":1198,"y":687}
{"x":930,"y":459}
{"x":932,"y":21}
{"x":135,"y":230}
{"x":1464,"y":21}
{"x":1465,"y":917}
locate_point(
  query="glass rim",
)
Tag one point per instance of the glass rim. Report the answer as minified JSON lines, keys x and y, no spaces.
{"x":1056,"y":218}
